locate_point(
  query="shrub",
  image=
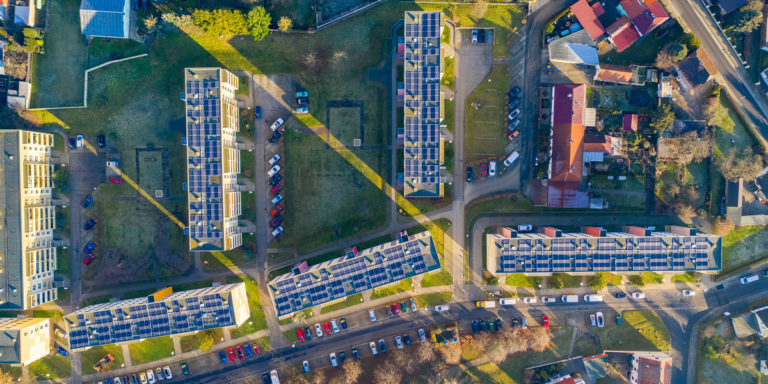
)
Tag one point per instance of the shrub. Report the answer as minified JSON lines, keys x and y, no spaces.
{"x":677,"y":51}
{"x":221,"y":21}
{"x":61,"y":180}
{"x":597,"y":282}
{"x":258,"y":23}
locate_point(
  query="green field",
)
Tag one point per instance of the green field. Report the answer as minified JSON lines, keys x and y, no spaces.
{"x":257,"y":321}
{"x":151,"y":172}
{"x":743,"y":246}
{"x":639,"y":331}
{"x":432,"y":299}
{"x":520,"y":280}
{"x":485,"y":134}
{"x":403,"y":286}
{"x":50,"y":368}
{"x":92,"y":356}
{"x":192,"y":343}
{"x":346,"y":303}
{"x":150,"y":350}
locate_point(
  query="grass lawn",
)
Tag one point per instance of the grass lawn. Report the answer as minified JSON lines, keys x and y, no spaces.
{"x":191,"y":343}
{"x":254,"y":304}
{"x":742,"y":246}
{"x":192,"y":285}
{"x":55,"y":366}
{"x":569,"y":281}
{"x":485,"y":134}
{"x":685,"y":278}
{"x":237,"y":256}
{"x":652,"y":278}
{"x":15,"y":372}
{"x":520,"y":280}
{"x":151,"y":172}
{"x":276,"y":258}
{"x":345,"y":125}
{"x":92,"y":356}
{"x":346,"y":303}
{"x":279,"y":272}
{"x":432,"y":299}
{"x":291,"y":335}
{"x":289,"y":320}
{"x":95,"y":300}
{"x":645,"y":51}
{"x":102,"y":51}
{"x":63,"y":264}
{"x":448,"y":76}
{"x":639,"y":331}
{"x":614,"y":279}
{"x":244,"y":84}
{"x":403,"y":286}
{"x":437,"y":279}
{"x":152,"y":349}
{"x":448,"y":118}
{"x":506,"y":21}
{"x":57,"y":76}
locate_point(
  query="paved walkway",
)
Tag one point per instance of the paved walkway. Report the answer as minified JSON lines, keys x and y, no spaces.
{"x":127,"y":355}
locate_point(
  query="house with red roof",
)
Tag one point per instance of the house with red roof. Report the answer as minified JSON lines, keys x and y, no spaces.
{"x":697,"y":69}
{"x":587,"y":17}
{"x":623,"y":33}
{"x":640,"y":18}
{"x":630,"y":122}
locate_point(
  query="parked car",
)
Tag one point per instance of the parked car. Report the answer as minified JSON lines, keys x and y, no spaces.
{"x":90,"y":224}
{"x":511,"y":159}
{"x":327,"y":328}
{"x":523,"y":323}
{"x":514,"y":102}
{"x":302,"y":110}
{"x":305,"y":364}
{"x":79,"y":141}
{"x":474,"y":36}
{"x":89,"y":247}
{"x":72,"y":144}
{"x":159,"y":374}
{"x":275,"y":179}
{"x":638,"y":295}
{"x":277,"y":199}
{"x":275,"y":137}
{"x":407,"y":340}
{"x":302,"y":100}
{"x":342,"y":357}
{"x":382,"y":346}
{"x":600,"y":322}
{"x":499,"y":324}
{"x":483,"y":170}
{"x":514,"y":92}
{"x":355,"y":354}
{"x":223,"y":357}
{"x":404,"y":307}
{"x":396,"y":309}
{"x":689,"y":293}
{"x":275,"y":222}
{"x":513,"y":134}
{"x":300,"y":334}
{"x":514,"y":124}
{"x":482,"y":325}
{"x":335,"y":326}
{"x":276,"y":189}
{"x":231,"y":353}
{"x":593,"y":319}
{"x":143,"y":378}
{"x":88,"y":259}
{"x":278,"y":231}
{"x":492,"y":168}
{"x":372,"y":314}
{"x":491,"y":325}
{"x":442,"y":308}
{"x":422,"y":336}
{"x":545,"y":320}
{"x":116,"y":180}
{"x":184,"y":368}
{"x":256,"y":348}
{"x":481,"y":36}
{"x":248,"y":351}
{"x":475,"y":326}
{"x":276,"y":210}
{"x":343,"y":323}
{"x":620,"y":295}
{"x":373,"y":347}
{"x":102,"y":141}
{"x":507,"y":301}
{"x":274,"y":159}
{"x":151,"y":377}
{"x":514,"y":114}
{"x":389,"y":311}
{"x":274,"y":170}
{"x":62,"y":351}
{"x":414,"y":308}
{"x":524,"y":227}
{"x":111,"y":163}
{"x":529,"y":300}
{"x":618,"y":319}
{"x":469,"y":174}
{"x":334,"y":362}
{"x":277,"y":124}
{"x":318,"y":330}
{"x":88,"y":201}
{"x":302,"y":94}
{"x":257,"y":112}
{"x":399,"y":342}
{"x":307,"y":333}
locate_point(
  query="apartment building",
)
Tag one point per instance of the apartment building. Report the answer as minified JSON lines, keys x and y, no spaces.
{"x":27,"y":254}
{"x":164,"y":313}
{"x":673,"y":250}
{"x":24,"y":341}
{"x":213,"y":160}
{"x":424,"y":108}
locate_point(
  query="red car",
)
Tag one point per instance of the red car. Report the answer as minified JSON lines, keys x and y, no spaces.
{"x":300,"y":334}
{"x":397,"y":309}
{"x":276,"y":189}
{"x":276,"y":210}
{"x":483,"y":170}
{"x":327,"y":328}
{"x":240,"y":352}
{"x":256,"y":348}
{"x":88,"y":259}
{"x":231,"y":354}
{"x":115,"y":180}
{"x":546,"y":322}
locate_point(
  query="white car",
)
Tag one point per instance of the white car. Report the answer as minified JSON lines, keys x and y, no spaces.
{"x":474,"y":36}
{"x":514,"y":114}
{"x":159,"y":374}
{"x":373,"y":315}
{"x":318,"y":330}
{"x":278,"y":231}
{"x":511,"y":159}
{"x":638,"y":295}
{"x":277,"y":199}
{"x":442,"y":308}
{"x":492,"y":168}
{"x":592,"y":319}
{"x":111,"y":163}
{"x":529,"y":300}
{"x":117,"y":380}
{"x":600,"y":322}
{"x":333,"y":360}
{"x":548,"y":299}
{"x":142,"y":378}
{"x":79,"y":141}
{"x":273,"y":376}
{"x":399,"y":342}
{"x":151,"y":377}
{"x":277,"y":124}
{"x":274,"y":170}
{"x":507,"y":301}
{"x":422,"y":335}
{"x":524,"y":227}
{"x":689,"y":293}
{"x":167,"y":371}
{"x":274,"y":159}
{"x":414,"y":307}
{"x":373,"y":348}
{"x":335,"y":326}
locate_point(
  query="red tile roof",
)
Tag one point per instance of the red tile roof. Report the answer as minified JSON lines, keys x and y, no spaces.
{"x":630,"y":122}
{"x":587,"y":18}
{"x":569,"y":103}
{"x":568,"y":131}
{"x":566,"y":194}
{"x":625,"y":36}
{"x":595,"y":143}
{"x":614,"y":74}
{"x":633,"y":8}
{"x":658,"y":11}
{"x":598,"y":9}
{"x":653,"y":371}
{"x":613,"y":28}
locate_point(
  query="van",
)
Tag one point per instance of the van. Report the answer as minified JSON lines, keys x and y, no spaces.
{"x":547,"y":299}
{"x":507,"y":301}
{"x":511,"y":158}
{"x":749,"y":279}
{"x":486,"y":304}
{"x":570,"y":299}
{"x":593,"y":298}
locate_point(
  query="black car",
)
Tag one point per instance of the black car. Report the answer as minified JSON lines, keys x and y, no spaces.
{"x":90,"y":224}
{"x":407,"y":339}
{"x":275,"y":179}
{"x":469,"y":174}
{"x":134,"y":379}
{"x":342,"y":357}
{"x":184,"y":368}
{"x":765,"y":273}
{"x":514,"y":92}
{"x":302,"y":100}
{"x":514,"y":322}
{"x":482,"y":324}
{"x":265,"y":378}
{"x":355,"y":354}
{"x":275,"y":222}
{"x":102,"y":141}
{"x":307,"y":333}
{"x":481,"y":36}
{"x":275,"y":137}
{"x":88,"y":201}
{"x":126,"y":380}
{"x":88,"y":248}
{"x":498,"y":324}
{"x":72,"y":144}
{"x":514,"y":103}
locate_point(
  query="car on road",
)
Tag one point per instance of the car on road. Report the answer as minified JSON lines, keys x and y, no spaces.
{"x":102,"y":141}
{"x":300,"y":334}
{"x":274,"y":159}
{"x":469,"y":174}
{"x":276,"y":189}
{"x":184,"y":368}
{"x":373,"y":348}
{"x":275,"y":137}
{"x":513,"y":135}
{"x":618,"y":319}
{"x":355,"y":354}
{"x":88,"y":259}
{"x":442,"y":308}
{"x":274,"y":170}
{"x":492,"y":168}
{"x":372,"y":314}
{"x":275,"y":179}
{"x":307,"y":333}
{"x":382,"y":346}
{"x":302,"y":94}
{"x":276,"y":210}
{"x":523,"y":323}
{"x":302,"y":110}
{"x":343,"y":323}
{"x":689,"y":293}
{"x":277,"y":124}
{"x":305,"y":364}
{"x":151,"y":377}
{"x":90,"y":224}
{"x":474,"y":36}
{"x":475,"y":326}
{"x":483,"y":170}
{"x":600,"y":322}
{"x":545,"y":320}
{"x":509,"y":160}
{"x":481,"y":36}
{"x":327,"y":328}
{"x":529,"y":300}
{"x":88,"y":201}
{"x":335,"y":326}
{"x":257,"y":112}
{"x":499,"y":324}
{"x":389,"y":311}
{"x":116,"y":180}
{"x":334,"y":362}
{"x":89,"y":247}
{"x":638,"y":295}
{"x":422,"y":336}
{"x":514,"y":102}
{"x":223,"y":357}
{"x":342,"y":357}
{"x":406,"y":340}
{"x":277,"y":199}
{"x":231,"y":353}
{"x":62,"y":351}
{"x":278,"y":231}
{"x":72,"y":144}
{"x":507,"y":301}
{"x":248,"y":351}
{"x":514,"y":92}
{"x":620,"y":295}
{"x":318,"y":330}
{"x":399,"y":342}
{"x":514,"y":114}
{"x":79,"y":141}
{"x":593,"y":319}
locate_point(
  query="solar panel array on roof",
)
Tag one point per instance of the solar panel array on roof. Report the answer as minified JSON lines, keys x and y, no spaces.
{"x":342,"y":277}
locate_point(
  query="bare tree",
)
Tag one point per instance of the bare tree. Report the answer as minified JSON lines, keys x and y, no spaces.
{"x":614,"y":370}
{"x":439,"y":366}
{"x":313,"y":61}
{"x":664,"y":60}
{"x":745,"y":361}
{"x":685,"y":211}
{"x":339,"y":56}
{"x":496,"y":350}
{"x":425,"y":353}
{"x":723,"y":227}
{"x":673,"y":189}
{"x":540,"y":339}
{"x":388,"y":374}
{"x":746,"y":165}
{"x":320,"y":376}
{"x":352,"y":372}
{"x":451,"y":353}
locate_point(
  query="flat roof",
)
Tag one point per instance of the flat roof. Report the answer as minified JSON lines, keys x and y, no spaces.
{"x":11,"y":279}
{"x":348,"y":275}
